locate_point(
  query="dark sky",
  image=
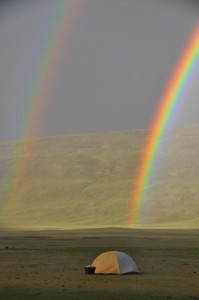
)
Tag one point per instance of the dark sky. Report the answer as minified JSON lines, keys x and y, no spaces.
{"x":119,"y":60}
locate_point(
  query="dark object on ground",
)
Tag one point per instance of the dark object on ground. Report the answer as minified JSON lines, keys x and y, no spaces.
{"x":89,"y":269}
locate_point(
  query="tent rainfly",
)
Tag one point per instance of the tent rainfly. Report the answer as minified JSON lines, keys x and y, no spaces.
{"x":114,"y":262}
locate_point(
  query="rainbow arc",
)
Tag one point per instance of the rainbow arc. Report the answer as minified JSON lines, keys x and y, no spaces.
{"x":170,"y":103}
{"x":57,"y":34}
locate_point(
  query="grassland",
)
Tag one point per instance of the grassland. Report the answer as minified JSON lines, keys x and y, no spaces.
{"x":50,"y":264}
{"x":80,"y":181}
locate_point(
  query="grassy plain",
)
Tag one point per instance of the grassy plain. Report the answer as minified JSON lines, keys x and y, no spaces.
{"x":87,"y":180}
{"x":49,"y":264}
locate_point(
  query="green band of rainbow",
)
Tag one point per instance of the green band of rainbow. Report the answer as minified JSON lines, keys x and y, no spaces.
{"x":170,"y":102}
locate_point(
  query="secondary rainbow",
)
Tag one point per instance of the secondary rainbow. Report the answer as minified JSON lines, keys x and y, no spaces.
{"x":170,"y":103}
{"x":44,"y":63}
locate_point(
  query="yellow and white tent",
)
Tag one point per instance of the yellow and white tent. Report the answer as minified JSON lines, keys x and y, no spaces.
{"x":114,"y":262}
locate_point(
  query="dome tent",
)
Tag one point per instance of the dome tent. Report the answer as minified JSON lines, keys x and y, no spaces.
{"x":114,"y":262}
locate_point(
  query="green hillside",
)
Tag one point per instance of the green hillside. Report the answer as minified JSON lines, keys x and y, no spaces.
{"x":87,"y":181}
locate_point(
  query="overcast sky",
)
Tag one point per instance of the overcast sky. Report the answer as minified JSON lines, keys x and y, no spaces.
{"x":118,"y":61}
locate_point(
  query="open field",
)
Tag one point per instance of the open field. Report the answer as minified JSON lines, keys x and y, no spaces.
{"x":49,"y":265}
{"x":79,"y":181}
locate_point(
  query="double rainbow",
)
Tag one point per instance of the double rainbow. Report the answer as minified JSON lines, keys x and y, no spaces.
{"x":171,"y":101}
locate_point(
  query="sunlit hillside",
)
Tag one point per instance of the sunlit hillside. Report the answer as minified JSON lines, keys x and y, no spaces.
{"x":87,"y":180}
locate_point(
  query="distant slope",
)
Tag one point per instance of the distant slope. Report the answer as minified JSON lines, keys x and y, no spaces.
{"x":86,"y":181}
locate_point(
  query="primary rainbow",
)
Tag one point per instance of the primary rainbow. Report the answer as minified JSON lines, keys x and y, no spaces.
{"x":44,"y":63}
{"x":171,"y":100}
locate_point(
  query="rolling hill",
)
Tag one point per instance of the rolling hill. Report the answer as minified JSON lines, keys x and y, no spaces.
{"x":86,"y":180}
